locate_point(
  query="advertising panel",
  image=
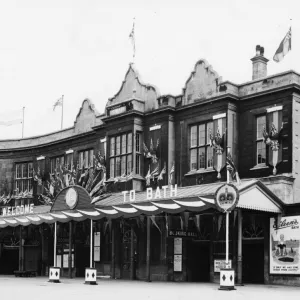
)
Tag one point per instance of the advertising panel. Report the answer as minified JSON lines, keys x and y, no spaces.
{"x":284,"y":245}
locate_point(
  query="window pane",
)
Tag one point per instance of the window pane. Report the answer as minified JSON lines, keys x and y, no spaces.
{"x":86,"y":159}
{"x":25,"y":170}
{"x":81,"y":160}
{"x":70,"y":160}
{"x":202,"y":134}
{"x":260,"y":124}
{"x":29,"y":185}
{"x":123,"y":165}
{"x":91,"y":158}
{"x":30,"y":170}
{"x":209,"y":158}
{"x":261,"y":152}
{"x":209,"y":130}
{"x":118,"y":145}
{"x":123,"y":144}
{"x":129,"y":143}
{"x":193,"y":136}
{"x":18,"y":171}
{"x":129,"y":164}
{"x":193,"y":159}
{"x":201,"y":158}
{"x":118,"y":166}
{"x":137,"y":142}
{"x":112,"y":167}
{"x":112,"y":146}
{"x":138,"y":164}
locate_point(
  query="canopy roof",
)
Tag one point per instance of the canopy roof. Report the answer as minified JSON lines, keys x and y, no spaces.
{"x":254,"y":195}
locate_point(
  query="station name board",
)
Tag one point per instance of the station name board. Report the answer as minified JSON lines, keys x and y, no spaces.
{"x":165,"y":192}
{"x":17,"y":210}
{"x":183,"y":233}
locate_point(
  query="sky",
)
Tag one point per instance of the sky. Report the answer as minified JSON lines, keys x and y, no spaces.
{"x":81,"y":49}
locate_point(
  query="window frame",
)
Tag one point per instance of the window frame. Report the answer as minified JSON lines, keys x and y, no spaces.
{"x":23,"y":183}
{"x":260,"y":139}
{"x":119,"y":156}
{"x":199,"y":139}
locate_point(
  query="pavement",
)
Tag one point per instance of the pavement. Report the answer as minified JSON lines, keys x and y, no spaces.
{"x":39,"y":288}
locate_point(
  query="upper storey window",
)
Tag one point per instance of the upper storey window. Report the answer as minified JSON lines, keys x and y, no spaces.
{"x":120,"y":155}
{"x":23,"y":177}
{"x":260,"y":145}
{"x":86,"y":158}
{"x":201,"y":154}
{"x":56,"y":163}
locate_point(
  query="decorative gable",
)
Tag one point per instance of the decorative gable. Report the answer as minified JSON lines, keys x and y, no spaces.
{"x":133,"y":94}
{"x":202,"y":83}
{"x":86,"y":117}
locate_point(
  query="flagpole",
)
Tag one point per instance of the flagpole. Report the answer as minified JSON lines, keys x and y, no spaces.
{"x":62,"y":110}
{"x":23,"y":122}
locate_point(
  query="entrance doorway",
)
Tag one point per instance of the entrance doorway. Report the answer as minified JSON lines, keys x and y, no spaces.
{"x":9,"y":260}
{"x":127,"y":251}
{"x":198,"y":261}
{"x":253,"y":261}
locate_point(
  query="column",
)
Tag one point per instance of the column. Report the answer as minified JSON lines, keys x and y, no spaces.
{"x":148,"y":277}
{"x":21,"y":251}
{"x":240,"y":243}
{"x":70,"y":249}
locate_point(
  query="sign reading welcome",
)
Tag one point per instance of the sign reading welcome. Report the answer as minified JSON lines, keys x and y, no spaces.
{"x":17,"y":210}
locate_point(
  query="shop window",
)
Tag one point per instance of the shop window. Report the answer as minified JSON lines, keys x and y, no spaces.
{"x":138,"y":152}
{"x":260,"y":145}
{"x":86,"y":158}
{"x":69,"y":161}
{"x":201,"y":154}
{"x":120,"y":155}
{"x":23,"y":177}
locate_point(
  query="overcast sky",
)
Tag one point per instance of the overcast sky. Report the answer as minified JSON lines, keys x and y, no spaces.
{"x":81,"y":49}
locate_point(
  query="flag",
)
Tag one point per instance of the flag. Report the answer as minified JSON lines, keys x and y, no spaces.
{"x":154,"y":173}
{"x":12,"y":117}
{"x":148,"y":177}
{"x":162,"y":172}
{"x":284,"y":47}
{"x":132,"y":38}
{"x":59,"y":102}
{"x":154,"y":223}
{"x":230,"y":166}
{"x":171,"y":174}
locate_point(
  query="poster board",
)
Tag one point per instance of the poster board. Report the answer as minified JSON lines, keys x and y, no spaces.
{"x":178,"y":246}
{"x":284,"y":245}
{"x":177,"y":263}
{"x":97,"y":236}
{"x":221,"y":264}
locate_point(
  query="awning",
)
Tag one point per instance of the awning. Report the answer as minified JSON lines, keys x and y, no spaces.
{"x":254,"y":195}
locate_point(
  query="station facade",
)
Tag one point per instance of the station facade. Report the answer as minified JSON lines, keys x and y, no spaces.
{"x":146,"y":172}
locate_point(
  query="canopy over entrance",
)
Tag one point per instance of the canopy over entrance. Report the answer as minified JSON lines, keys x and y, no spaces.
{"x":75,"y":203}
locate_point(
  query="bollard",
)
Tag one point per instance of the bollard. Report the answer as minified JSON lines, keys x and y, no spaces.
{"x":54,"y":274}
{"x":227,"y":279}
{"x":90,"y":276}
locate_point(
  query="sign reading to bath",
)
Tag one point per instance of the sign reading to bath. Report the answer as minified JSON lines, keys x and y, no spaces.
{"x":17,"y":210}
{"x":284,"y":245}
{"x":164,"y":192}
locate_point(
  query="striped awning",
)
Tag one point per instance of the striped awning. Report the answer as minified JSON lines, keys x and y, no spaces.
{"x":253,"y":195}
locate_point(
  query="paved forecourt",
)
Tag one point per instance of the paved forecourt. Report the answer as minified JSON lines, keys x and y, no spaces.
{"x":40,"y":288}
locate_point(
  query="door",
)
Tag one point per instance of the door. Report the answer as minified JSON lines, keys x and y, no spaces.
{"x":127,"y":251}
{"x":198,"y":261}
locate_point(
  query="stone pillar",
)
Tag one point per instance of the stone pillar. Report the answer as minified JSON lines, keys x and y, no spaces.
{"x":240,"y":245}
{"x":148,"y":276}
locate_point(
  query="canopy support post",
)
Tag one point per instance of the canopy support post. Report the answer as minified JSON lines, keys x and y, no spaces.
{"x":113,"y":250}
{"x":240,"y":257}
{"x":148,"y":250}
{"x":70,"y":249}
{"x":91,"y":245}
{"x":55,"y":241}
{"x":21,"y":251}
{"x":132,"y":268}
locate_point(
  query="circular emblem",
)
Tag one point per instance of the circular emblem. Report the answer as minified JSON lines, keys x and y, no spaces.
{"x":71,"y":198}
{"x":226,"y":197}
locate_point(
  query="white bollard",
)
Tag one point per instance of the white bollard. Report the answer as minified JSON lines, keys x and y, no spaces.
{"x":227,"y":279}
{"x":54,"y":274}
{"x":90,"y":276}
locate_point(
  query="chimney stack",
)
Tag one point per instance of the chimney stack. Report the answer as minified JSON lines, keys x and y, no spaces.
{"x":259,"y":62}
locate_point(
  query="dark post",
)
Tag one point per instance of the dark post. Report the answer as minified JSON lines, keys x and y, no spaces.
{"x":132,"y":271}
{"x":113,"y":254}
{"x":42,"y":250}
{"x":21,"y":252}
{"x":239,"y":260}
{"x":148,"y":250}
{"x":70,"y":249}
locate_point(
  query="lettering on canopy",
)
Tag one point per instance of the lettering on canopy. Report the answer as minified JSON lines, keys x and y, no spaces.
{"x":17,"y":210}
{"x":165,"y":192}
